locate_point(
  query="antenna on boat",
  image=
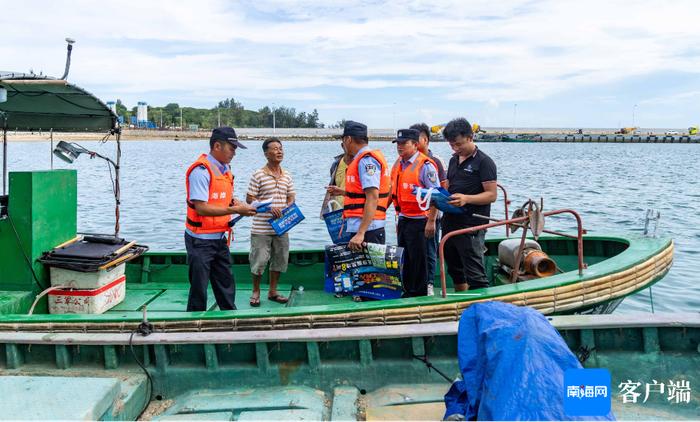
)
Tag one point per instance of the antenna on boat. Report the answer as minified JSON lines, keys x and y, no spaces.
{"x":69,"y":48}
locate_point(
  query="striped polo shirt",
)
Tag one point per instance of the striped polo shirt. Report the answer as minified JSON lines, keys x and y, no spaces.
{"x":263,"y":186}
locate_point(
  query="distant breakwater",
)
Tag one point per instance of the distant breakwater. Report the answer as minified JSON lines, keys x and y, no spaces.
{"x":598,"y":138}
{"x":306,"y":134}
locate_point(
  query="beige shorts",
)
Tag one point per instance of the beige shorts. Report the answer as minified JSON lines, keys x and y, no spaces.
{"x":266,"y":248}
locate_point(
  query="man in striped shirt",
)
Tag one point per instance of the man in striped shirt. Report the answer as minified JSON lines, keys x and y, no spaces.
{"x":274,"y":183}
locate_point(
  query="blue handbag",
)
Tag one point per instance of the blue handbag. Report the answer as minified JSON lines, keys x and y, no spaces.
{"x":336,"y":225}
{"x":439,"y":197}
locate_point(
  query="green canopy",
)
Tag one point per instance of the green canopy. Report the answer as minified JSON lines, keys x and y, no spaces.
{"x":42,"y":103}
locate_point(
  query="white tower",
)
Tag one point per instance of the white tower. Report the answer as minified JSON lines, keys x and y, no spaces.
{"x":141,"y":114}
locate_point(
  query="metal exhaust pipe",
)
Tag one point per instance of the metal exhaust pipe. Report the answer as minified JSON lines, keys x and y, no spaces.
{"x":540,"y":264}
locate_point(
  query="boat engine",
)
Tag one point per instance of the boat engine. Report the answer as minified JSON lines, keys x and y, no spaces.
{"x":534,"y":263}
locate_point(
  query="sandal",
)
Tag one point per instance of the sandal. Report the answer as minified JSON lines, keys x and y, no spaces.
{"x":254,"y":301}
{"x":278,"y":298}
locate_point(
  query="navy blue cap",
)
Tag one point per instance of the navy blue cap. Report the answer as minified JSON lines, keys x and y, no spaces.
{"x":404,"y":135}
{"x":226,"y":133}
{"x":353,"y":129}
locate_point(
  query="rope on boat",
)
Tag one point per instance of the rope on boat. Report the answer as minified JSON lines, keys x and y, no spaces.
{"x":24,"y":253}
{"x":424,"y":200}
{"x":145,"y":328}
{"x":583,"y":353}
{"x":42,"y":294}
{"x":424,"y":359}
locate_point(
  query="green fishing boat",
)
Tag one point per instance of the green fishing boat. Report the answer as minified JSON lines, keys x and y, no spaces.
{"x":607,"y":269}
{"x":318,"y":356}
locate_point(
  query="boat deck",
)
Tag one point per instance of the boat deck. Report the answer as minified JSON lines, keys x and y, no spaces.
{"x":393,"y":402}
{"x":173,"y":298}
{"x":159,"y":280}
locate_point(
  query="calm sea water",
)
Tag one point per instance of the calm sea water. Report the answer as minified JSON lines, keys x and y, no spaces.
{"x":611,"y":185}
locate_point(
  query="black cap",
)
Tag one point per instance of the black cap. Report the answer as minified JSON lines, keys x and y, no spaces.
{"x":353,"y":129}
{"x":226,"y":133}
{"x":404,"y":135}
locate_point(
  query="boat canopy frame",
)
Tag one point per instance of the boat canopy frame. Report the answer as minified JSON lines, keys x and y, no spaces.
{"x":42,"y":103}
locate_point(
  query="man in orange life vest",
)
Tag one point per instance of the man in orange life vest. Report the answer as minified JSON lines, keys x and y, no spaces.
{"x":210,"y":203}
{"x":367,"y":189}
{"x":413,"y":169}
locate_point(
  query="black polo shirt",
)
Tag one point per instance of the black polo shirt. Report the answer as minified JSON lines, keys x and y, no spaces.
{"x":467,"y":178}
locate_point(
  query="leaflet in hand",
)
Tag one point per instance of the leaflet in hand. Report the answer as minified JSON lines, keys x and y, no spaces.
{"x":260,"y":206}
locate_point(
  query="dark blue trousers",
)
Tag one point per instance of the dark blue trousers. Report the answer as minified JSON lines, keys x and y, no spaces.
{"x":209,"y":260}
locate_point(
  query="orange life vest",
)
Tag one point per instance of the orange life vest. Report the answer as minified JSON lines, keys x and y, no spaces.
{"x":402,"y":184}
{"x":354,"y":203}
{"x":220,"y":194}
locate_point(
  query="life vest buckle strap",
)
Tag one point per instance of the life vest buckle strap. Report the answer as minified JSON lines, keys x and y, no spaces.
{"x":353,"y":206}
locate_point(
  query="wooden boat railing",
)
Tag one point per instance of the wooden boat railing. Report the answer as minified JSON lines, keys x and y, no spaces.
{"x":517,"y":222}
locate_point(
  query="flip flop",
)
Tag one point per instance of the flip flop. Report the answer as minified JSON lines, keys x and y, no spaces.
{"x":254,"y":301}
{"x":278,"y":298}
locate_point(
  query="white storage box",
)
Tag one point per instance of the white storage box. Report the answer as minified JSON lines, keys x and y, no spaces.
{"x":90,"y":301}
{"x":85,"y":280}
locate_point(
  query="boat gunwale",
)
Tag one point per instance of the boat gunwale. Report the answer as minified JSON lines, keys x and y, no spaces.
{"x":563,"y":322}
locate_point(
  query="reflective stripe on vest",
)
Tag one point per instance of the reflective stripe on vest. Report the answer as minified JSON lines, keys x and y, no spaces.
{"x":220,"y":194}
{"x":402,"y":184}
{"x":355,"y":198}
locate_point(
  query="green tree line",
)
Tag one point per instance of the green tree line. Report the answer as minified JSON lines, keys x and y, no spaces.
{"x":228,"y":112}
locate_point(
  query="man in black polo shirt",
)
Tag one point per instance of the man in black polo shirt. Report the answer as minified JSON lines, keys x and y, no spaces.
{"x":471,"y":178}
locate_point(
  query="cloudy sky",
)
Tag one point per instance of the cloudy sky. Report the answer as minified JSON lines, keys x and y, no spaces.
{"x":389,"y":64}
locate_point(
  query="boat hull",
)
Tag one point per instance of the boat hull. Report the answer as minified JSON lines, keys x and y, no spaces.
{"x":356,"y":372}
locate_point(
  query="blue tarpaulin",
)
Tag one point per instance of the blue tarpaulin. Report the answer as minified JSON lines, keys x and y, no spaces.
{"x":512,"y":363}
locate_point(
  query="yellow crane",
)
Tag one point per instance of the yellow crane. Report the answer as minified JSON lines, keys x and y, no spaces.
{"x":438,"y":128}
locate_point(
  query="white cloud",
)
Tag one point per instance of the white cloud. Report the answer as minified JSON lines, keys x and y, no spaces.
{"x":484,"y":51}
{"x":687,"y":96}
